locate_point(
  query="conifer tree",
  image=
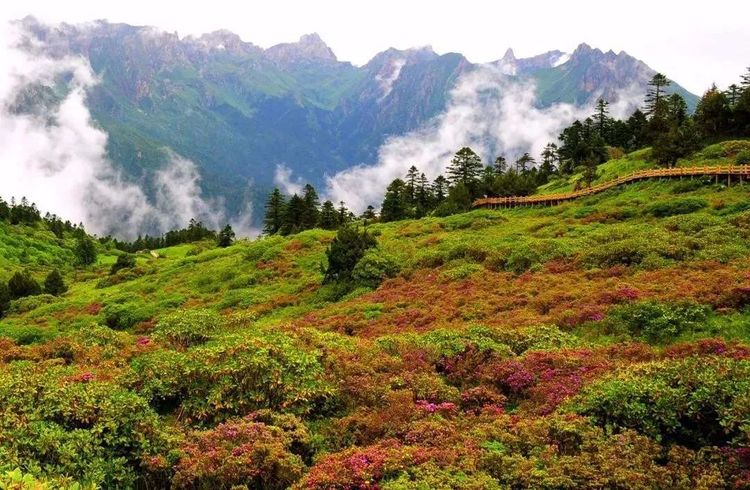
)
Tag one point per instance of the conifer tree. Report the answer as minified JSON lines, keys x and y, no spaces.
{"x":85,"y":251}
{"x":501,"y":165}
{"x":465,"y":168}
{"x":293,"y":215}
{"x":344,"y":214}
{"x":329,"y":217}
{"x":310,"y":211}
{"x":713,"y":114}
{"x":549,"y":160}
{"x":369,"y":214}
{"x":21,"y":284}
{"x":54,"y":284}
{"x":601,"y":117}
{"x":274,"y":218}
{"x":439,"y":189}
{"x":395,"y":204}
{"x":5,"y":298}
{"x":412,"y":177}
{"x":655,"y":94}
{"x":226,"y":236}
{"x":524,"y":163}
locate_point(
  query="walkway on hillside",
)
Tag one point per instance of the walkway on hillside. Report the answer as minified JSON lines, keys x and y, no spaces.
{"x":741,"y":172}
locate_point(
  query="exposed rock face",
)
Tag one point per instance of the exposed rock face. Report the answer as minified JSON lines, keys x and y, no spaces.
{"x":237,"y":110}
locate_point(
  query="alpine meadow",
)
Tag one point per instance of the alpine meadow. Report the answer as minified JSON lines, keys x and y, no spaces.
{"x":227,"y":266}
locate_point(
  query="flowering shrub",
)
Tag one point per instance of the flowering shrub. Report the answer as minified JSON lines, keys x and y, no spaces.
{"x":657,"y":322}
{"x":245,"y":452}
{"x":187,"y":328}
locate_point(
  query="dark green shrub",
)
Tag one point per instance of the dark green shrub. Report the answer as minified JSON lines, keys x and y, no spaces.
{"x":5,"y":298}
{"x":692,"y":402}
{"x":657,"y":322}
{"x":742,"y":158}
{"x":124,"y":261}
{"x":374,"y":267}
{"x":346,"y":249}
{"x":85,"y":251}
{"x":125,"y":316}
{"x":21,"y":284}
{"x":54,"y":283}
{"x":185,"y":329}
{"x":677,"y":206}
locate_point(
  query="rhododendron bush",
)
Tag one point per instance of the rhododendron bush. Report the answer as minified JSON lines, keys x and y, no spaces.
{"x":599,"y":344}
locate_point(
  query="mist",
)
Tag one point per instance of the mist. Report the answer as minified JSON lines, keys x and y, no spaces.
{"x":489,"y":111}
{"x":52,"y":153}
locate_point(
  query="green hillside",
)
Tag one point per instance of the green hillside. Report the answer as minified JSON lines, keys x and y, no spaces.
{"x":601,"y":343}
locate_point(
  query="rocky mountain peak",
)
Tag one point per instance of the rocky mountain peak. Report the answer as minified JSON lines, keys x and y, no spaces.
{"x":310,"y":47}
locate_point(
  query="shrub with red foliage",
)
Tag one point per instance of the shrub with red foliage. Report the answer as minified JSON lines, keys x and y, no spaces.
{"x":244,"y":452}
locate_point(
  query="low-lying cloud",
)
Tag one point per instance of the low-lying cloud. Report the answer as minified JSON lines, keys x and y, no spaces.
{"x":52,"y":153}
{"x":488,"y":110}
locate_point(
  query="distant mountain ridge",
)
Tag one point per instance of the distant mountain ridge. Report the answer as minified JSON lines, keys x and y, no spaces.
{"x":238,"y":110}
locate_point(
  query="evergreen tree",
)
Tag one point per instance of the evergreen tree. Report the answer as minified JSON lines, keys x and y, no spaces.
{"x":745,"y":80}
{"x":345,"y":216}
{"x":501,"y":165}
{"x":21,"y":284}
{"x":346,"y":249}
{"x":275,"y":208}
{"x":637,"y":125}
{"x":524,"y":163}
{"x":676,"y":143}
{"x":124,"y":261}
{"x":5,"y":298}
{"x":85,"y":251}
{"x":369,"y":214}
{"x":440,"y":189}
{"x":310,"y":211}
{"x":54,"y":284}
{"x":655,"y":94}
{"x":713,"y":114}
{"x":733,"y":93}
{"x":601,"y":117}
{"x":226,"y":236}
{"x":329,"y":218}
{"x":412,"y":176}
{"x":293,"y":215}
{"x":465,"y":168}
{"x":677,"y":109}
{"x":395,"y":206}
{"x":423,"y":195}
{"x":549,"y":161}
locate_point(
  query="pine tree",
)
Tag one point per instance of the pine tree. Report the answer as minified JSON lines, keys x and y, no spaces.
{"x":369,"y":214}
{"x":501,"y":165}
{"x":293,"y":215}
{"x":465,"y":168}
{"x":344,"y":215}
{"x":226,"y":236}
{"x":524,"y":163}
{"x":329,"y":218}
{"x":310,"y":209}
{"x":85,"y":251}
{"x":677,"y":109}
{"x":346,"y":249}
{"x":439,"y":189}
{"x":54,"y":284}
{"x":549,"y":160}
{"x":601,"y":117}
{"x":274,"y":218}
{"x":21,"y":284}
{"x":713,"y":115}
{"x":5,"y":298}
{"x":733,"y":93}
{"x":412,"y":176}
{"x":745,"y":80}
{"x":655,"y":94}
{"x":394,"y":205}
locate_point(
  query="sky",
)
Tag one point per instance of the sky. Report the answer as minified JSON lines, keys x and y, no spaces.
{"x":694,"y":43}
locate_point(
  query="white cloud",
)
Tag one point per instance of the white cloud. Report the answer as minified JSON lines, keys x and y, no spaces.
{"x":283,"y":179}
{"x":387,"y":79}
{"x":487,"y":110}
{"x":54,"y":155}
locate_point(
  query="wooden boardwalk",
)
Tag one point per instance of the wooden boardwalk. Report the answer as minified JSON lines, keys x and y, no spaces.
{"x":739,"y":172}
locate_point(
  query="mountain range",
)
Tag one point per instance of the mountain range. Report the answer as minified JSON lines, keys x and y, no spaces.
{"x":238,"y":110}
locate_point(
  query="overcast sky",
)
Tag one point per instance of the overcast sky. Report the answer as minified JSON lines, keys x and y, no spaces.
{"x":694,"y":43}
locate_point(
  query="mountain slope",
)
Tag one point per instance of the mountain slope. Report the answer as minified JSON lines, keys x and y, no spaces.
{"x":238,"y":110}
{"x":602,"y":342}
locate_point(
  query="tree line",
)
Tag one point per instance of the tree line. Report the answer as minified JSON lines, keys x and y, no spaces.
{"x":25,"y":213}
{"x":663,"y":123}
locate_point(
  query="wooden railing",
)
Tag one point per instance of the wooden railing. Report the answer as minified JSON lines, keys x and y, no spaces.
{"x":550,"y":199}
